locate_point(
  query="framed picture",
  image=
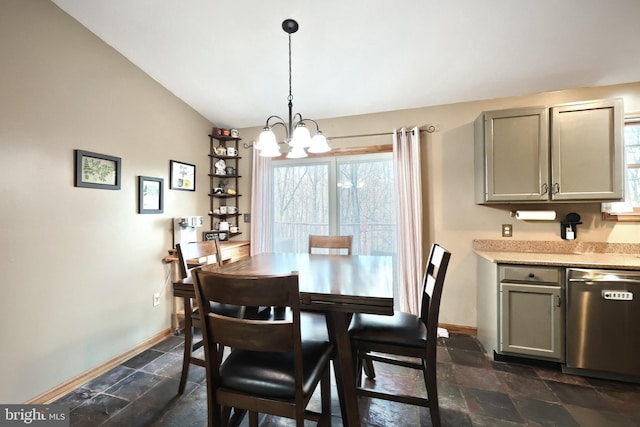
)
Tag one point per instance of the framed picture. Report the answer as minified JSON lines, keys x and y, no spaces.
{"x":150,"y":195}
{"x":209,"y":235}
{"x":182,"y":176}
{"x":95,"y":170}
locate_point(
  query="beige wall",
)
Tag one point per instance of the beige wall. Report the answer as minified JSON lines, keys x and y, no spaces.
{"x":451,"y":217}
{"x":80,"y":266}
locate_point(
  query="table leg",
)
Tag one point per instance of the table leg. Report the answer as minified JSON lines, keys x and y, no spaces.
{"x":337,"y":325}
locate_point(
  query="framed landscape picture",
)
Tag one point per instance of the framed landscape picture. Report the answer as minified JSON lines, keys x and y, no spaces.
{"x":150,"y":195}
{"x":182,"y":176}
{"x":94,"y":170}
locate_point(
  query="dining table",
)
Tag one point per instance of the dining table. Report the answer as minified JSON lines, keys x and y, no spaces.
{"x":337,"y":286}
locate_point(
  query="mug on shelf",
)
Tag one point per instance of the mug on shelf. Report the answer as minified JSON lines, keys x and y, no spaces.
{"x":223,"y":210}
{"x":232,"y":151}
{"x":232,"y":209}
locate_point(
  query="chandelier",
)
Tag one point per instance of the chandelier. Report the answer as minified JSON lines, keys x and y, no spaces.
{"x":297,"y":135}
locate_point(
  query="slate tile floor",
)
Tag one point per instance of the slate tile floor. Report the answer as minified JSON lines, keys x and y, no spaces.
{"x":474,"y":391}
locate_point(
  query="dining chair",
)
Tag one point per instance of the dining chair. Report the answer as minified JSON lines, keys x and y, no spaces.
{"x":270,"y":369}
{"x":330,"y":242}
{"x":190,"y":257}
{"x":378,"y":338}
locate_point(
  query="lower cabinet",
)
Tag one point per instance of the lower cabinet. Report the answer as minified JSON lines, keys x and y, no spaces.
{"x":521,"y":310}
{"x":531,"y":321}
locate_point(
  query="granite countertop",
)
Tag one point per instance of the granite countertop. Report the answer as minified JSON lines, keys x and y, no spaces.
{"x":562,"y":253}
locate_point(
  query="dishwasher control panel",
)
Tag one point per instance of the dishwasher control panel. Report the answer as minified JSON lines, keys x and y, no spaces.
{"x":617,"y":295}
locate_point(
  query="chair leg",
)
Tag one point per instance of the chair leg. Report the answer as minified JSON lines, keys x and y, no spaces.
{"x":188,"y":344}
{"x":431,"y":383}
{"x":253,"y":419}
{"x":368,"y":369}
{"x":325,"y":397}
{"x":226,"y":415}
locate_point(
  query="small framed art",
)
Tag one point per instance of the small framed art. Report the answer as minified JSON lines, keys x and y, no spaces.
{"x":209,"y":235}
{"x":94,"y":170}
{"x":150,"y":195}
{"x":182,"y":176}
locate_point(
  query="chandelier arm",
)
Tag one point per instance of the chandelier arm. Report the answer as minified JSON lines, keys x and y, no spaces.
{"x":309,"y":120}
{"x":273,"y":117}
{"x":284,"y":125}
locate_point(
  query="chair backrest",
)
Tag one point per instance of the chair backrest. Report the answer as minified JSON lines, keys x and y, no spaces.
{"x":330,"y":242}
{"x":269,"y":335}
{"x":202,"y":253}
{"x":432,"y":290}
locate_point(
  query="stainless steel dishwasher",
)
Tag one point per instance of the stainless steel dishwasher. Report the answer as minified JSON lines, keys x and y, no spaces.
{"x":603,"y":323}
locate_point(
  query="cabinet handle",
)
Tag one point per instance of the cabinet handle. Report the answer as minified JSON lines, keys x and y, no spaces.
{"x":545,"y":188}
{"x":558,"y":301}
{"x":531,"y":275}
{"x":556,"y":188}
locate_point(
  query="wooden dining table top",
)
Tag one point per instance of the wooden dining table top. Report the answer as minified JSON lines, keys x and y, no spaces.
{"x":348,"y":283}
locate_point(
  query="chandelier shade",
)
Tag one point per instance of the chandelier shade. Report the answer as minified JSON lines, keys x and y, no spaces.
{"x":297,"y":134}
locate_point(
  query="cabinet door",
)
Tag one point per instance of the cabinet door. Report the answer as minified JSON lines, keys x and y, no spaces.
{"x":515,"y":155}
{"x":587,"y":151}
{"x":531,"y":321}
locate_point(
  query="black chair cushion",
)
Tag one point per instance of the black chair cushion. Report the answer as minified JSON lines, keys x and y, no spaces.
{"x":400,"y":329}
{"x":272,"y":374}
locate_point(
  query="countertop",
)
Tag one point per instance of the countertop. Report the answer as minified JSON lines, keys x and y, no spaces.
{"x":624,"y":256}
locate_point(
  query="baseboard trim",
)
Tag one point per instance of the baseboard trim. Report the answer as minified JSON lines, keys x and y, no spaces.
{"x":457,"y":329}
{"x":68,"y":386}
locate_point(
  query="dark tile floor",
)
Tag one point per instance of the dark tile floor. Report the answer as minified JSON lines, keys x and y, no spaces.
{"x":474,"y":391}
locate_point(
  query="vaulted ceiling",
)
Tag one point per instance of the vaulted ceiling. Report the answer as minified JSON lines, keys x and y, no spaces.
{"x":228,"y":59}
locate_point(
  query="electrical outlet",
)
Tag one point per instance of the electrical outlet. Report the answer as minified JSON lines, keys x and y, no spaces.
{"x":507,"y":230}
{"x":156,"y":299}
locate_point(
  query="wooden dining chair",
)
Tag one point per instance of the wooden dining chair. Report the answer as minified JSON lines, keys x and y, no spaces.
{"x":405,"y":335}
{"x":190,"y":256}
{"x":271,"y":369}
{"x":330,"y":242}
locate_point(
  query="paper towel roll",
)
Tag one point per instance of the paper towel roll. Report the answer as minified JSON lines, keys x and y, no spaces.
{"x":536,"y":215}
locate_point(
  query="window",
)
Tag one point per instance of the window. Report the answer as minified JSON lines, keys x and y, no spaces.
{"x":632,"y":157}
{"x":348,"y":195}
{"x":632,"y":173}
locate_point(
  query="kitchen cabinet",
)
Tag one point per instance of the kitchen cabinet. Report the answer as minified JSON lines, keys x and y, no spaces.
{"x":521,"y":310}
{"x":571,"y":152}
{"x":531,"y":312}
{"x":224,"y":210}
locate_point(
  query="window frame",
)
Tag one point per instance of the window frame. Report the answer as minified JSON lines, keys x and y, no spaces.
{"x":632,"y":119}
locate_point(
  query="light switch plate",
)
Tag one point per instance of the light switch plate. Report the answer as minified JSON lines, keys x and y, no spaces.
{"x":507,"y":230}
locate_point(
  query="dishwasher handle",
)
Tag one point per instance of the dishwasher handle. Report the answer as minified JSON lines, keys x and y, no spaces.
{"x":603,"y":280}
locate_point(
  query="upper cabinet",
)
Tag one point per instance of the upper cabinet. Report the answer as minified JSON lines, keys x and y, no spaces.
{"x":571,"y":152}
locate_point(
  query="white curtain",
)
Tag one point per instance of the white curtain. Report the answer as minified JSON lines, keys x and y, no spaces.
{"x":261,"y":201}
{"x":406,"y":159}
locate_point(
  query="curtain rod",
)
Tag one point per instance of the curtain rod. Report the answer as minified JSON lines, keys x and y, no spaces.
{"x":428,"y":129}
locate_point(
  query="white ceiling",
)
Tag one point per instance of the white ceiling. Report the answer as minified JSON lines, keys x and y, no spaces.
{"x":228,"y":59}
